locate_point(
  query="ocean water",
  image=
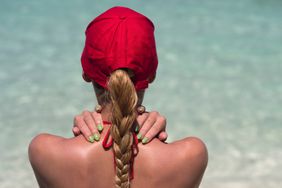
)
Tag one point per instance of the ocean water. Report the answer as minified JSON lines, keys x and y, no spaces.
{"x":219,"y":78}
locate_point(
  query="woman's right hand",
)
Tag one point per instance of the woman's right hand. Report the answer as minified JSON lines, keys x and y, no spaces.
{"x":152,"y":125}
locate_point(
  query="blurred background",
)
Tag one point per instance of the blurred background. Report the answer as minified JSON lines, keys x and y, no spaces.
{"x":219,"y":78}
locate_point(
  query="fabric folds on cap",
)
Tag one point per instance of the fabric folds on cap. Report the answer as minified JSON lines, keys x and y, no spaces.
{"x":120,"y":38}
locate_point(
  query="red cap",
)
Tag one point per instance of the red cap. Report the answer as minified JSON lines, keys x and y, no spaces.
{"x":120,"y":38}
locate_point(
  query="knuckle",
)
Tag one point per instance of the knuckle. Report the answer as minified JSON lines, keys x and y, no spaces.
{"x":89,"y":123}
{"x":94,"y":114}
{"x":86,"y":118}
{"x":141,"y":119}
{"x":93,"y":118}
{"x":77,"y":118}
{"x":145,"y":114}
{"x":85,"y":113}
{"x":96,"y":117}
{"x":138,"y":118}
{"x":155,"y":113}
{"x":149,"y":121}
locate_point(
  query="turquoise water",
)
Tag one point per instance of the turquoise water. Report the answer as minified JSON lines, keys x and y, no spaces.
{"x":219,"y":78}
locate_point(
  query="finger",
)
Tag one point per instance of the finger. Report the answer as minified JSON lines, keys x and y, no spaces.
{"x":81,"y":125}
{"x":157,"y":127}
{"x":142,"y":118}
{"x":162,"y":136}
{"x":149,"y":122}
{"x":89,"y":120}
{"x":98,"y":120}
{"x":75,"y":131}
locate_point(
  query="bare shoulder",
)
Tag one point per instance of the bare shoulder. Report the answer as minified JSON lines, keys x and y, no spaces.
{"x":194,"y":151}
{"x":43,"y":138}
{"x":195,"y":147}
{"x":194,"y":158}
{"x":51,"y":156}
{"x":44,"y":147}
{"x":190,"y":149}
{"x":42,"y":144}
{"x":184,"y":161}
{"x":42,"y":151}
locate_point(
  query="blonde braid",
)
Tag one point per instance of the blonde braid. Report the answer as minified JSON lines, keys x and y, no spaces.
{"x":124,"y":100}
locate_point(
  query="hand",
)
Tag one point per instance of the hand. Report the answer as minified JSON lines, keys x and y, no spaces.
{"x":90,"y":123}
{"x":152,"y":125}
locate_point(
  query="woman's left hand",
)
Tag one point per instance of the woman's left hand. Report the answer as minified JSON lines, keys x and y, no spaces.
{"x":152,"y":124}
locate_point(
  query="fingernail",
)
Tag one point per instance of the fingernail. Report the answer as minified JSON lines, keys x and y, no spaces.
{"x":91,"y":139}
{"x":139,"y":136}
{"x":96,"y":137}
{"x":136,"y":128}
{"x":100,"y":127}
{"x":145,"y":140}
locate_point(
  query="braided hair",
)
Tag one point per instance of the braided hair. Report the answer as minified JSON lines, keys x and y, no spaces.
{"x":123,"y":98}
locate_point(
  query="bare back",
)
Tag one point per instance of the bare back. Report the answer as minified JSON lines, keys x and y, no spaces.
{"x":59,"y":162}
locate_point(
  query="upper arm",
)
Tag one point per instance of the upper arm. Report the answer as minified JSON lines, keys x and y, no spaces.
{"x":42,"y":155}
{"x":35,"y":149}
{"x":196,"y":157}
{"x":197,"y":151}
{"x":40,"y":149}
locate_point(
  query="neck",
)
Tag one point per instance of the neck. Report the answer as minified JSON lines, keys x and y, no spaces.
{"x":106,"y":112}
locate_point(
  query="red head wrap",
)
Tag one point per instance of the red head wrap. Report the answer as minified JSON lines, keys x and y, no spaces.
{"x":120,"y":38}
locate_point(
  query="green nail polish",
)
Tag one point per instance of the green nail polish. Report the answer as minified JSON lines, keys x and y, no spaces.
{"x":91,"y":139}
{"x":139,"y":136}
{"x":100,"y":127}
{"x":96,"y":137}
{"x":136,"y":128}
{"x":145,"y":140}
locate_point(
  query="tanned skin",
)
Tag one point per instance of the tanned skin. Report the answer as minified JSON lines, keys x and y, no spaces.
{"x":73,"y":162}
